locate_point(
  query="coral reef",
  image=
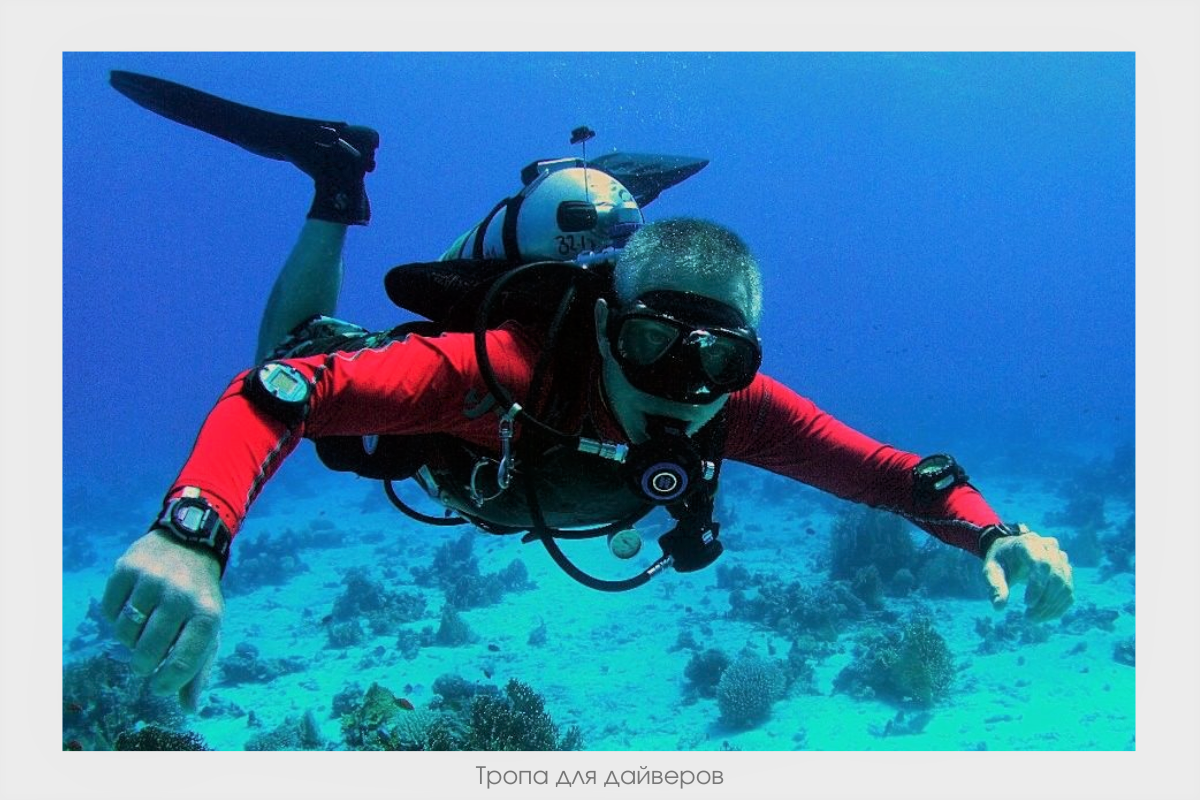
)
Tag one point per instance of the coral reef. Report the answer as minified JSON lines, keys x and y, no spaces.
{"x":794,"y":610}
{"x":264,"y":558}
{"x":293,"y":733}
{"x":516,"y":720}
{"x":913,"y":665}
{"x":103,"y":697}
{"x":1011,"y":633}
{"x":153,"y":737}
{"x":1125,"y":651}
{"x":863,"y":537}
{"x":455,"y":570}
{"x":1085,"y":616}
{"x":455,"y":693}
{"x":703,"y":673}
{"x":364,"y":599}
{"x":733,"y":577}
{"x":453,"y":630}
{"x":245,"y":666}
{"x":1120,"y":549}
{"x":747,"y":689}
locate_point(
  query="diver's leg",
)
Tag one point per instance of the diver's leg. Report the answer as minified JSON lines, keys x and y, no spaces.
{"x":311,"y":279}
{"x":308,"y":284}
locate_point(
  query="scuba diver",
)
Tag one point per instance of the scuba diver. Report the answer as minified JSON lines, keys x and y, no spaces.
{"x":576,"y":369}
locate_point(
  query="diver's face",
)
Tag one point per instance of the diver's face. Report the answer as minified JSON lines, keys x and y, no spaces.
{"x":632,"y":407}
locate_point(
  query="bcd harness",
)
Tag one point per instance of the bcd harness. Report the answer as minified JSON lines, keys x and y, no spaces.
{"x":671,"y":469}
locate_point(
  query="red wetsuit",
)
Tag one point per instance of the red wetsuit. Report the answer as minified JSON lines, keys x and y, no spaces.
{"x":433,"y":385}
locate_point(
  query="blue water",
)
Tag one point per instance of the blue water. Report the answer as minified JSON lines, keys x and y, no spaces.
{"x":947,"y":242}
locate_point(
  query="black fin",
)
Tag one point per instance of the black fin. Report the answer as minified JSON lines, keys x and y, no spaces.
{"x":647,"y":176}
{"x":263,"y":133}
{"x":335,"y":155}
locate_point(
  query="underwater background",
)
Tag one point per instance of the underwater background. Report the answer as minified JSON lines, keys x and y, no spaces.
{"x":948,"y":248}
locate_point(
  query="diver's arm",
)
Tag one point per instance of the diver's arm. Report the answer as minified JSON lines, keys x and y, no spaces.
{"x":165,"y":598}
{"x":309,"y":283}
{"x":775,"y":428}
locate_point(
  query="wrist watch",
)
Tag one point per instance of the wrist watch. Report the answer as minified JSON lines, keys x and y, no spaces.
{"x":934,"y":475}
{"x":193,"y":522}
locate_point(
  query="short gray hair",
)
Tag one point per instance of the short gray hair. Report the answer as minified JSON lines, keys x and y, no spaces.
{"x":687,"y":251}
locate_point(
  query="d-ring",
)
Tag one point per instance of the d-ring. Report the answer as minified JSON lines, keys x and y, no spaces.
{"x":136,"y":616}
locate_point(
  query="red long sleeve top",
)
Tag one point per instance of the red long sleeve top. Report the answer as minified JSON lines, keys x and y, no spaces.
{"x":433,"y":384}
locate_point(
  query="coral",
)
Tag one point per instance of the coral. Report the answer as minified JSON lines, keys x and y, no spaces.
{"x":365,"y":725}
{"x":152,"y":737}
{"x":384,"y":611}
{"x":537,"y":636}
{"x":914,"y":664}
{"x":456,"y":571}
{"x":1084,"y":617}
{"x":340,"y":635}
{"x":747,"y":689}
{"x":264,"y":559}
{"x":455,"y":693}
{"x":1013,"y":632}
{"x":794,"y":610}
{"x":410,"y":642}
{"x":1120,"y":549}
{"x":245,"y":666}
{"x":479,"y":719}
{"x":1125,"y":651}
{"x":865,"y":536}
{"x":703,"y":673}
{"x":103,"y":697}
{"x":345,"y":701}
{"x":517,"y":721}
{"x":902,"y":725}
{"x":800,"y":670}
{"x":291,"y":734}
{"x":868,"y":586}
{"x":453,"y":630}
{"x":950,"y":572}
{"x":733,"y":577}
{"x":217,"y":707}
{"x":903,"y":582}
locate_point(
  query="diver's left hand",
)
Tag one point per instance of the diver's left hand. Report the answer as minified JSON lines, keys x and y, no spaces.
{"x":1037,"y":560}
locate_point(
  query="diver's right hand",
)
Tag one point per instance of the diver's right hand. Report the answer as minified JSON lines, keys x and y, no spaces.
{"x":166,"y":604}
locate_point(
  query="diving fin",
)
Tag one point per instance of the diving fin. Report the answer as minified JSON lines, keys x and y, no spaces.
{"x":335,"y":155}
{"x":647,"y":176}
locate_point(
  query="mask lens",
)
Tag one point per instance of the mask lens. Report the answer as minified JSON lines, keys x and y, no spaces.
{"x":644,"y":340}
{"x":726,"y":360}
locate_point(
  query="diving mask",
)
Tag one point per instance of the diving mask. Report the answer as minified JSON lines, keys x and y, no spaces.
{"x":684,"y":347}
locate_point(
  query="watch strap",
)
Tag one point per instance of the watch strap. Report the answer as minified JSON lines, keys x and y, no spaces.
{"x":192,"y":521}
{"x":999,"y":531}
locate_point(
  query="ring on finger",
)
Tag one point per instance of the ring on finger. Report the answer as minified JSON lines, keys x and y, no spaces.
{"x":134,"y":615}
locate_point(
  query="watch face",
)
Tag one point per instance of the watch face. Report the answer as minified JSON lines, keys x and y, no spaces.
{"x":190,"y":519}
{"x":933,"y":465}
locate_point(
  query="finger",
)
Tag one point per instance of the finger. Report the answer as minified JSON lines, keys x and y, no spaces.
{"x":994,"y":574}
{"x":1064,"y":595}
{"x":160,"y":632}
{"x":1035,"y":591}
{"x":136,"y":612}
{"x":188,"y":656}
{"x":116,"y":592}
{"x":189,"y":695}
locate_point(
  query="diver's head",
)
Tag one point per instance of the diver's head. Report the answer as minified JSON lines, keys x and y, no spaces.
{"x":564,"y":209}
{"x":678,"y":334}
